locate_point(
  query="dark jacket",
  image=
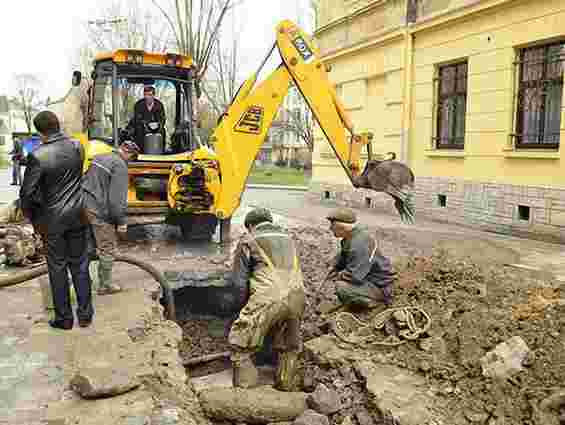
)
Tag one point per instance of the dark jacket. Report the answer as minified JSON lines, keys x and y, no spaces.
{"x":363,"y":261}
{"x":106,"y":188}
{"x":17,"y":151}
{"x":51,"y":193}
{"x":142,"y":115}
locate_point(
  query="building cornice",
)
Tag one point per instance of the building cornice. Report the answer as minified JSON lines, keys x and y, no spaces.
{"x":384,"y":37}
{"x":457,"y":14}
{"x":339,"y":21}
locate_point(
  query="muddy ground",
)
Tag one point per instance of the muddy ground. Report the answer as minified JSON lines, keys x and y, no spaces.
{"x":475,"y":303}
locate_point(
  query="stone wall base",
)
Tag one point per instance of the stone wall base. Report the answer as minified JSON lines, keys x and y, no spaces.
{"x":536,"y":212}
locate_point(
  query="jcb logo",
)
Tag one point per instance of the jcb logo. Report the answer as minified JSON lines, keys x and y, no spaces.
{"x":251,"y":121}
{"x":302,"y":48}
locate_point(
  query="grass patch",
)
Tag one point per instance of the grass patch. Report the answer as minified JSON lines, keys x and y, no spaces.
{"x":4,"y":162}
{"x":278,"y":176}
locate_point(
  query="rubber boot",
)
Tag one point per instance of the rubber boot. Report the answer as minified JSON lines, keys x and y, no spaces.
{"x":287,"y":377}
{"x":105,"y":285}
{"x":245,"y":374}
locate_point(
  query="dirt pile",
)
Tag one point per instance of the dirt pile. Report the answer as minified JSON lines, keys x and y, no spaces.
{"x":474,"y":307}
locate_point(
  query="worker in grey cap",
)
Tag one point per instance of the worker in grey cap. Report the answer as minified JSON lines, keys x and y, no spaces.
{"x":266,"y":261}
{"x":105,"y":186}
{"x":363,"y":276}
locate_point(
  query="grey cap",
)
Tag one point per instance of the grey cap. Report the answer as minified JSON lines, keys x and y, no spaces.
{"x":257,"y":216}
{"x":343,"y":215}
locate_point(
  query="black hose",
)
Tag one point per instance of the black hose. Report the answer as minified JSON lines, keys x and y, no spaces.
{"x":24,"y":276}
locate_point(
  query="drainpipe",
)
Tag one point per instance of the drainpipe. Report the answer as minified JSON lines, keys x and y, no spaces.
{"x":407,"y":107}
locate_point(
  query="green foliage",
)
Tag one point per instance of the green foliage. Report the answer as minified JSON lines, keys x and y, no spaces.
{"x":278,"y":176}
{"x":4,"y":161}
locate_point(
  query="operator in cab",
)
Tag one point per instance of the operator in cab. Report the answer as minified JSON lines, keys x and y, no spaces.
{"x":148,"y":118}
{"x":266,"y":262}
{"x":362,"y":275}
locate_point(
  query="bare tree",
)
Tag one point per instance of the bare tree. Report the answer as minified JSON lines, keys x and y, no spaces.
{"x":301,"y":123}
{"x":28,"y":87}
{"x":195,"y":26}
{"x":123,"y":24}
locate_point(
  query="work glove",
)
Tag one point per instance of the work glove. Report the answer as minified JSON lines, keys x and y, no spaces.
{"x":122,"y":230}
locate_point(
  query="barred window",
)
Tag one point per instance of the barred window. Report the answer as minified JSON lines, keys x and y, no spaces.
{"x":540,"y":92}
{"x":451,"y":106}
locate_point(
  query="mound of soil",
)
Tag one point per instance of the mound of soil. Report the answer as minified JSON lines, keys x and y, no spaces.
{"x":474,"y":305}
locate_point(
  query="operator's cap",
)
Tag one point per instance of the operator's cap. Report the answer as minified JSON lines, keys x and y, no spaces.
{"x":342,"y":215}
{"x":147,"y":89}
{"x":130,"y":147}
{"x":257,"y":216}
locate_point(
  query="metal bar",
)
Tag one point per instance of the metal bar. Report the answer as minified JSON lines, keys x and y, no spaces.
{"x":115,"y":116}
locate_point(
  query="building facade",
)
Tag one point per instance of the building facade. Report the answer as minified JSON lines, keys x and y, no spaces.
{"x":12,"y":120}
{"x":468,"y":93}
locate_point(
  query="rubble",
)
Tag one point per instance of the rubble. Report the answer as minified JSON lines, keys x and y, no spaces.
{"x":473,"y":305}
{"x":323,"y":400}
{"x":310,"y":417}
{"x":506,"y":359}
{"x":100,"y":382}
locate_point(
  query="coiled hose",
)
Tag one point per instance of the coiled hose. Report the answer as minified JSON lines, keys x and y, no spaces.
{"x":364,"y":333}
{"x":24,"y":276}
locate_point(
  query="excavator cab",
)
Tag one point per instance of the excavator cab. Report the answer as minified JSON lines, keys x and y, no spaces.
{"x":116,"y":112}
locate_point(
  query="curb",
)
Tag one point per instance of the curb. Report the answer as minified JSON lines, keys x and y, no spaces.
{"x":277,"y":187}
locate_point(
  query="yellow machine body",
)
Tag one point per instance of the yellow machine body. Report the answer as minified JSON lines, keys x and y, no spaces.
{"x":211,"y":182}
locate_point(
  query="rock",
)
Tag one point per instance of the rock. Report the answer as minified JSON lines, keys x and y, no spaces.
{"x":99,"y":382}
{"x":323,"y":400}
{"x":426,"y":344}
{"x":396,"y":392}
{"x":258,"y":405}
{"x":364,"y":418}
{"x":475,"y":417}
{"x":309,"y":417}
{"x":554,"y":401}
{"x":347,"y":421}
{"x":506,"y":359}
{"x":324,"y":351}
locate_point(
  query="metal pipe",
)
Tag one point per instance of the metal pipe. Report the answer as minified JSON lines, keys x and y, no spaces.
{"x":170,"y":312}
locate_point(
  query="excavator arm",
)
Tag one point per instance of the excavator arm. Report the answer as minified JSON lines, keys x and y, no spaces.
{"x":244,"y":127}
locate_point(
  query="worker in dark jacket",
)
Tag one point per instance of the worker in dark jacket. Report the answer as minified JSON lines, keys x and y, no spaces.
{"x":145,"y":112}
{"x":363,"y":276}
{"x":51,"y":197}
{"x":266,"y":261}
{"x":17,"y":157}
{"x":106,"y":190}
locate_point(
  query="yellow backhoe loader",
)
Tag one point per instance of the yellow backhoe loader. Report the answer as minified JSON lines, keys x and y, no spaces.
{"x":200,"y":186}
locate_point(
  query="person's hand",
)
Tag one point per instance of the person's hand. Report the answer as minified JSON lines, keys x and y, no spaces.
{"x":122,"y":230}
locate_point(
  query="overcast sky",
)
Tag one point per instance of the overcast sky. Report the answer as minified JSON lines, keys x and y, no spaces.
{"x":41,"y":37}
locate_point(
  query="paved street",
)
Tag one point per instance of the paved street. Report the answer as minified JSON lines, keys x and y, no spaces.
{"x":27,"y":351}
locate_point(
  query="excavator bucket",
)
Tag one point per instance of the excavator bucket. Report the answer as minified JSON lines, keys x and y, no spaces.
{"x":393,"y":178}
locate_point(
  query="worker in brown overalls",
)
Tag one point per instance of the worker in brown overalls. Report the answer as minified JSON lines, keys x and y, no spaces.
{"x":266,"y":259}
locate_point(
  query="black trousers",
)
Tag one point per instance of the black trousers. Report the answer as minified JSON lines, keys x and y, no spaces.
{"x":67,"y":250}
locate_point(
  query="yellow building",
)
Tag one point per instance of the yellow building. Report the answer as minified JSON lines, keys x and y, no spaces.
{"x":468,"y":93}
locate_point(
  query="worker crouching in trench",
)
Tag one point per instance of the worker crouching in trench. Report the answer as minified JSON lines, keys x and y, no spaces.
{"x":266,"y":260}
{"x":362,"y":275}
